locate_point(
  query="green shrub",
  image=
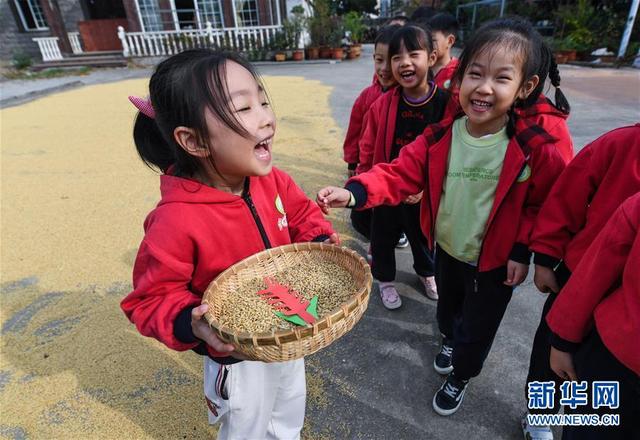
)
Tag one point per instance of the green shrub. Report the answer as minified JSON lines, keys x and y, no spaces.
{"x":21,"y":60}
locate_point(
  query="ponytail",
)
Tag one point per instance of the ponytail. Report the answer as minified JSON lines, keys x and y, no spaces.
{"x":561,"y":102}
{"x":155,"y":151}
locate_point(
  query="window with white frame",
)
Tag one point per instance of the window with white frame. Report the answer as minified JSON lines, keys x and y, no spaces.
{"x":246,"y":13}
{"x":31,"y":15}
{"x":149,"y":15}
{"x":209,"y":10}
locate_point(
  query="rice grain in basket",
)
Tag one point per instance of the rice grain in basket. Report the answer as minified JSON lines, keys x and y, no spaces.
{"x":338,"y":276}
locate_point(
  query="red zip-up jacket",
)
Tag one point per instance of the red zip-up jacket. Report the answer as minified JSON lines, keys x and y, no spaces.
{"x":590,"y":189}
{"x":605,"y":289}
{"x":196,"y":232}
{"x":377,"y":137}
{"x":444,"y":75}
{"x":530,"y":167}
{"x":357,"y":121}
{"x":547,"y":116}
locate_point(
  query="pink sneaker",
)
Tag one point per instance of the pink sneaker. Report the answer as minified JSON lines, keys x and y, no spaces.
{"x":389,"y":295}
{"x":430,"y":288}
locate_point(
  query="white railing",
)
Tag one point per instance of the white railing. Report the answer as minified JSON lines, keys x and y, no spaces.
{"x":74,"y":39}
{"x":160,"y":43}
{"x":49,"y":48}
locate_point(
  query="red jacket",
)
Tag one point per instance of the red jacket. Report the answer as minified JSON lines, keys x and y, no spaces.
{"x":377,"y":138}
{"x":196,"y":232}
{"x":356,"y":121}
{"x":605,"y":288}
{"x":531,"y":165}
{"x":554,"y":122}
{"x":444,"y":75}
{"x":590,"y":189}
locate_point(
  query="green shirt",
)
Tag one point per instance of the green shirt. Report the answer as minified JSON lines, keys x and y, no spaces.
{"x":468,"y":191}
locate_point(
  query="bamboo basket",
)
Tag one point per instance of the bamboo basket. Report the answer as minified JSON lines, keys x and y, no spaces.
{"x":285,"y":345}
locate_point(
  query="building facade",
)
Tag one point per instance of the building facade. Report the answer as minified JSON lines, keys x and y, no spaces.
{"x":96,"y":21}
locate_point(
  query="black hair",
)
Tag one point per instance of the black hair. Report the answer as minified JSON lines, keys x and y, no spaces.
{"x":423,"y":12}
{"x":180,"y":90}
{"x":445,"y":23}
{"x":385,"y":34}
{"x":518,"y":35}
{"x":397,"y":17}
{"x":413,"y":37}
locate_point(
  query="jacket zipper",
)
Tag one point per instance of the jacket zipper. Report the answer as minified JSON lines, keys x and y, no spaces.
{"x":246,"y":196}
{"x":475,"y":277}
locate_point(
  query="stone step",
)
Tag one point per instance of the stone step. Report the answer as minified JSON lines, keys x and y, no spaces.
{"x":88,"y":61}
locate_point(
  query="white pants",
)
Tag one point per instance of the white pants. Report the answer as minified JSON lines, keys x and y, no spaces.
{"x":256,"y":400}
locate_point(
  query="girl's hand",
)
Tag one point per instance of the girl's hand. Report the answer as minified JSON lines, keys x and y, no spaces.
{"x":333,"y":239}
{"x":562,"y":364}
{"x":332,"y":197}
{"x":203,"y":331}
{"x":412,"y":200}
{"x":516,"y":273}
{"x":545,"y":279}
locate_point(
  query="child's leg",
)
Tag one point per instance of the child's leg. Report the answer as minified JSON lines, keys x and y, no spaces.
{"x":361,"y":222}
{"x":385,"y":232}
{"x":485,"y":301}
{"x":539,"y":368}
{"x":252,"y":388}
{"x":594,"y":362}
{"x":422,"y":257}
{"x":450,"y":284}
{"x":287,"y":417}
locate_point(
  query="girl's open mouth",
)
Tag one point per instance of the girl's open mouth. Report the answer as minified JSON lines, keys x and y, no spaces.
{"x":408,"y":75}
{"x":262,"y":149}
{"x":480,"y":106}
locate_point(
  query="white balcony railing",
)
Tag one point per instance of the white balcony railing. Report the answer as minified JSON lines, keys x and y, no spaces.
{"x":74,"y":39}
{"x":160,"y":43}
{"x":49,"y":48}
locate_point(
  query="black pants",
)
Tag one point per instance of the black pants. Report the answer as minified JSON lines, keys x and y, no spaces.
{"x":539,"y":367}
{"x":361,"y":222}
{"x":471,"y":305}
{"x":593,"y":361}
{"x":387,"y":225}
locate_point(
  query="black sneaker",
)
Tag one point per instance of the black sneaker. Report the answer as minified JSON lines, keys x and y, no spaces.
{"x":450,"y":395}
{"x":443,"y":361}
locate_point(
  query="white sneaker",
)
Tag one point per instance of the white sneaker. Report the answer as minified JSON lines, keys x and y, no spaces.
{"x":430,"y":288}
{"x":403,"y":242}
{"x":390,"y":297}
{"x":535,"y":432}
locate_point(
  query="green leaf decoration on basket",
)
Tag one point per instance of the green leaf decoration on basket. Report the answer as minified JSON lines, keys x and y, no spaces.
{"x":289,"y":304}
{"x":297,"y":320}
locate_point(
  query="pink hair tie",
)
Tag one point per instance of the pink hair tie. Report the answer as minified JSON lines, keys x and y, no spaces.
{"x":144,"y":105}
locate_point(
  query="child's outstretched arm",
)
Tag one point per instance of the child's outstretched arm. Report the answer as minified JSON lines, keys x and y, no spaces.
{"x":385,"y":184}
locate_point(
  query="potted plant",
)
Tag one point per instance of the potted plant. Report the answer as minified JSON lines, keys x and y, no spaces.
{"x":280,"y":45}
{"x":298,"y":23}
{"x":355,"y":27}
{"x":576,"y":23}
{"x":336,"y":38}
{"x":319,"y":26}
